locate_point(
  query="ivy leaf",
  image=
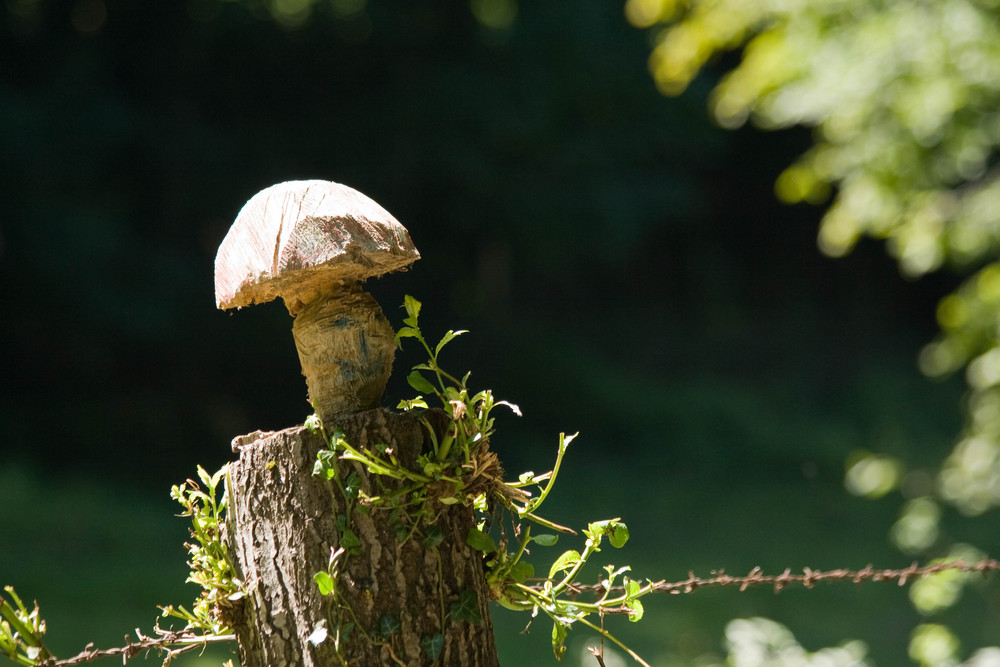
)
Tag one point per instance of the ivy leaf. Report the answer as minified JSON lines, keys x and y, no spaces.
{"x":349,"y":541}
{"x":432,"y":645}
{"x":324,"y":467}
{"x":466,"y":608}
{"x":313,"y":423}
{"x":432,"y":537}
{"x":352,"y":485}
{"x":480,"y":541}
{"x":388,"y":626}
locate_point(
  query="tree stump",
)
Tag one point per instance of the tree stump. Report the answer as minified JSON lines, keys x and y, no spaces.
{"x":396,"y":586}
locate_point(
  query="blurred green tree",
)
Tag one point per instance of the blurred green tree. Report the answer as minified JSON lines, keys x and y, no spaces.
{"x":904,"y":102}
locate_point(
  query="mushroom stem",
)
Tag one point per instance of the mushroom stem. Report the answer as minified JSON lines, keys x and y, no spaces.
{"x":346,"y":347}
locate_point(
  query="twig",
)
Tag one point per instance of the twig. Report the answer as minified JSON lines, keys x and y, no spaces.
{"x":598,"y":653}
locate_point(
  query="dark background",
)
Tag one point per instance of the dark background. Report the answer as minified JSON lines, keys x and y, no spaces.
{"x":621,"y":263}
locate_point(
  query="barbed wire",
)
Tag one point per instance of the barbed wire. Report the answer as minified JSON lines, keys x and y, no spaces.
{"x":807,"y":578}
{"x":175,"y":643}
{"x":169,"y":642}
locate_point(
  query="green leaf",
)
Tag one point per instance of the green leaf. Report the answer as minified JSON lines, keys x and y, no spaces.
{"x":313,"y":423}
{"x":545,"y":539}
{"x":636,"y":609}
{"x":388,"y":626}
{"x":407,"y":332}
{"x":480,"y":541}
{"x":618,"y":534}
{"x":447,"y":338}
{"x":217,"y":477}
{"x":558,"y":639}
{"x":325,"y":582}
{"x":432,"y":537}
{"x":466,"y":608}
{"x":420,"y":383}
{"x":566,"y":561}
{"x":432,"y":645}
{"x":352,"y":485}
{"x":349,"y":540}
{"x":413,"y":404}
{"x":596,"y":529}
{"x":521,"y":571}
{"x":412,"y":307}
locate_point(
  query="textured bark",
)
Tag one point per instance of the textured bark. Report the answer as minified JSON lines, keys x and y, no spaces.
{"x":283,"y":526}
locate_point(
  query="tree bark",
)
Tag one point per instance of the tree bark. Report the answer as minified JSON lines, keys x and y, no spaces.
{"x":395,"y":585}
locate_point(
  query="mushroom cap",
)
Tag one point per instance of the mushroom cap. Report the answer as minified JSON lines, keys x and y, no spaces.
{"x":300,"y":239}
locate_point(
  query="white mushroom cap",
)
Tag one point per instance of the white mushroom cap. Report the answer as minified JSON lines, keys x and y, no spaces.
{"x":300,"y":239}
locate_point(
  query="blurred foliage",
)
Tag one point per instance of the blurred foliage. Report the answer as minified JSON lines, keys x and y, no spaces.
{"x":760,"y":642}
{"x":903,"y":101}
{"x":904,"y":105}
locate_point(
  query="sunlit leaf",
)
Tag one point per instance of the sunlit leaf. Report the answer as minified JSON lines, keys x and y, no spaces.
{"x":618,"y":534}
{"x":558,"y":639}
{"x":447,"y":338}
{"x":480,"y":541}
{"x":566,"y":561}
{"x":416,"y":380}
{"x":325,"y":582}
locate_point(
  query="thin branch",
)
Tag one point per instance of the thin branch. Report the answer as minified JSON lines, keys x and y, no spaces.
{"x":808,"y":578}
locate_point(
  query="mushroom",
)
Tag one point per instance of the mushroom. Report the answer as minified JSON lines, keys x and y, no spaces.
{"x":313,"y":243}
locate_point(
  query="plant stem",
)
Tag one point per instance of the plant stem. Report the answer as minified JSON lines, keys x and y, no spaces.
{"x":608,"y":635}
{"x":564,"y":441}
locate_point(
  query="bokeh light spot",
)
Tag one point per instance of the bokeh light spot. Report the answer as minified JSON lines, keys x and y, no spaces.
{"x":496,"y":14}
{"x":933,"y":645}
{"x":872,"y":475}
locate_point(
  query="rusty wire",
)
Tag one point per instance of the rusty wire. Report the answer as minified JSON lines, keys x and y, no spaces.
{"x":807,"y":578}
